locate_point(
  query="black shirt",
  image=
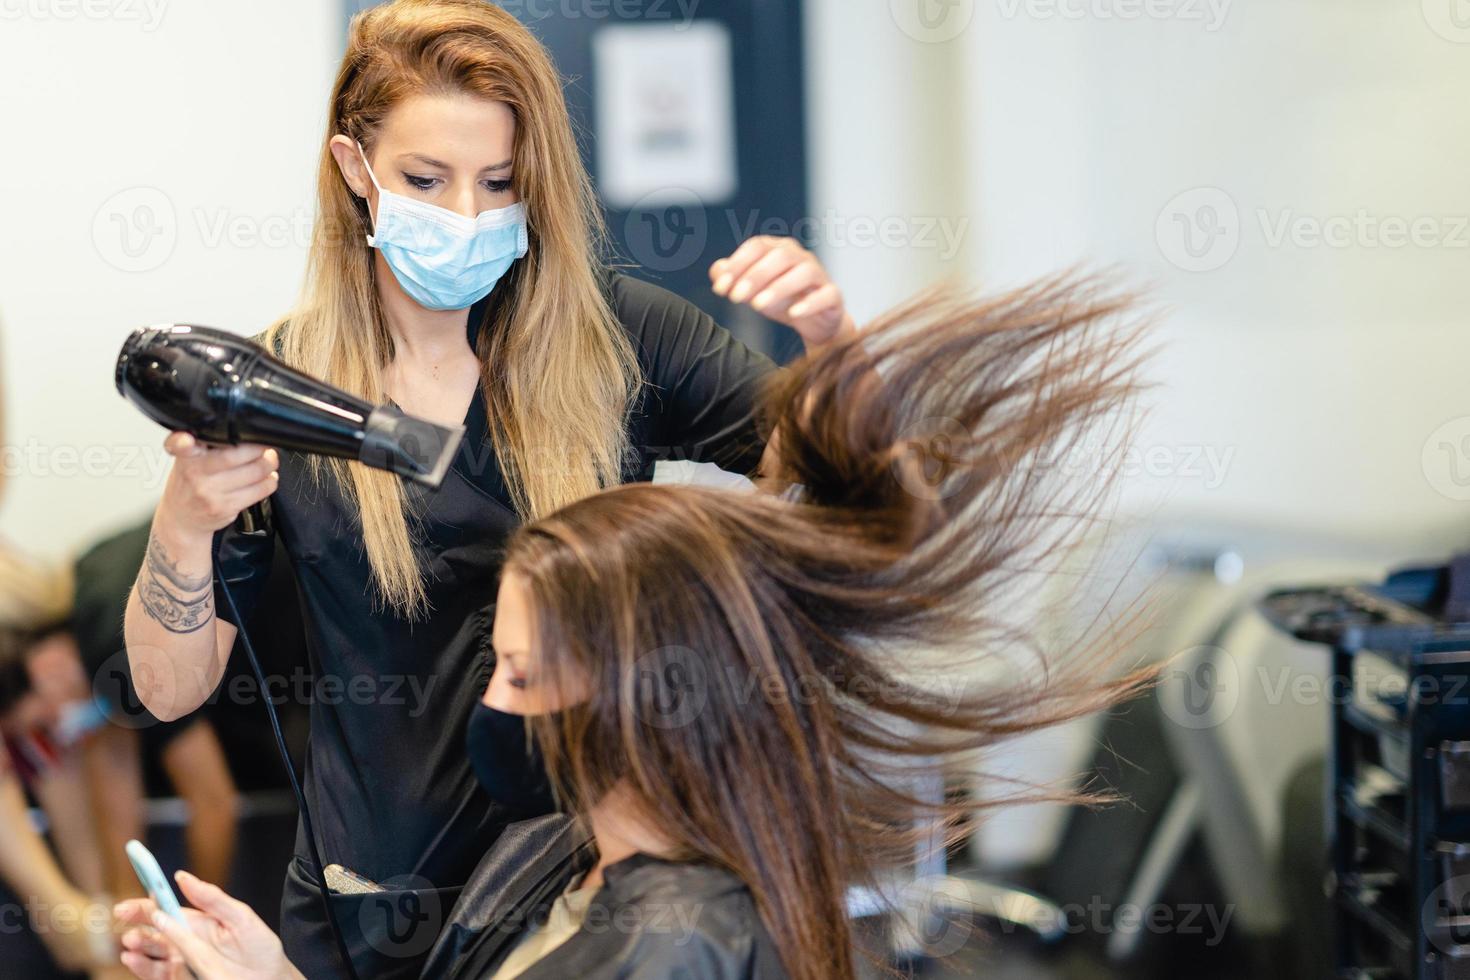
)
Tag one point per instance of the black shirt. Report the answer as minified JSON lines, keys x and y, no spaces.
{"x":387,"y":778}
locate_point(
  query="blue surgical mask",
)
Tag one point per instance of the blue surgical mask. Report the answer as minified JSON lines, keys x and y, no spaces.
{"x":444,"y":260}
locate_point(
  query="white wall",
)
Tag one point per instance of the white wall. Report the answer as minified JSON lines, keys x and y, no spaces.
{"x":201,"y":119}
{"x":887,"y":159}
{"x":1320,"y":371}
{"x":1321,"y":377}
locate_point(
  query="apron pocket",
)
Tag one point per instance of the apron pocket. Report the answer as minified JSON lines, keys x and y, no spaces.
{"x":389,"y":933}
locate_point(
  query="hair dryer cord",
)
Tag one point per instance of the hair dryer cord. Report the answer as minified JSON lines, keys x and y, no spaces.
{"x":316,"y":858}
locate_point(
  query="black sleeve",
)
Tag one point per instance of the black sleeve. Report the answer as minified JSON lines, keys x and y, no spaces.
{"x":701,"y":382}
{"x":103,"y":577}
{"x":245,"y":564}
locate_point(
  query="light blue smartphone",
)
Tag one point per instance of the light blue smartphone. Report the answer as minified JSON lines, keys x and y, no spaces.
{"x":145,"y":865}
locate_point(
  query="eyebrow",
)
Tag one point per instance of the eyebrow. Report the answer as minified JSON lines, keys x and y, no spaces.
{"x":431,"y":162}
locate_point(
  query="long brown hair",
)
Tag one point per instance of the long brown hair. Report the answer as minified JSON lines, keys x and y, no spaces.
{"x":555,"y":442}
{"x":755,"y":665}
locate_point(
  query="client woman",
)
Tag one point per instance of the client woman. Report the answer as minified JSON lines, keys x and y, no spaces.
{"x":713,"y":679}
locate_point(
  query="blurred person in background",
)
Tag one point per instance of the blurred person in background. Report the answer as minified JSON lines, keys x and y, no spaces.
{"x":75,"y":927}
{"x":82,"y":745}
{"x":81,"y":756}
{"x":68,"y":910}
{"x":47,"y":716}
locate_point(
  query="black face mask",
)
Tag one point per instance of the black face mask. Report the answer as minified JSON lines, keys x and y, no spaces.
{"x":507,"y":764}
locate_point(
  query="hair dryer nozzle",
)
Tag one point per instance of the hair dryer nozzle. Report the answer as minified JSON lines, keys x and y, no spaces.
{"x":414,"y":448}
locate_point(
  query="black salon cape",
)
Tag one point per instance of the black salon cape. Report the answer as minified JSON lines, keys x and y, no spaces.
{"x":651,"y":919}
{"x":387,"y":779}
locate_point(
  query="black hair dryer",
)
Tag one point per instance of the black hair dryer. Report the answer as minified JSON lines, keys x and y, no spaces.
{"x":225,"y":389}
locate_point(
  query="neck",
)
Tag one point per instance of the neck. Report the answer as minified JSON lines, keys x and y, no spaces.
{"x":419,"y":334}
{"x":621,"y":831}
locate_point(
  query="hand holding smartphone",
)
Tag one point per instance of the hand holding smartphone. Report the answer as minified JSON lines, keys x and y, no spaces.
{"x":145,"y":865}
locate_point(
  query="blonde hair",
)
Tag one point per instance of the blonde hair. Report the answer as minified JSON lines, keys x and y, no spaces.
{"x":557,"y":369}
{"x":33,"y":594}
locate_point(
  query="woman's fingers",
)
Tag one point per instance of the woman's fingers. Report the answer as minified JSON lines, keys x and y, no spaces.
{"x":248,"y":475}
{"x":146,"y":941}
{"x":777,"y":298}
{"x":182,"y":445}
{"x":717,"y":275}
{"x":147,"y":954}
{"x":134,"y":911}
{"x":216,"y":459}
{"x":825,"y":300}
{"x":252,"y":494}
{"x":732,"y":269}
{"x":212,"y":900}
{"x":784,"y":281}
{"x":150,"y":969}
{"x":775,"y":263}
{"x":229,"y":459}
{"x":203,"y":957}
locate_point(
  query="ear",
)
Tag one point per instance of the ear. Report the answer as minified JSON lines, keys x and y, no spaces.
{"x":349,"y":162}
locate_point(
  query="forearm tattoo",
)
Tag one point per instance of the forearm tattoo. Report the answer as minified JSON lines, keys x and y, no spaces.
{"x":180,"y":603}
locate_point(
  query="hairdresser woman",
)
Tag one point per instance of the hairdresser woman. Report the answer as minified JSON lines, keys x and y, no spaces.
{"x":455,"y":270}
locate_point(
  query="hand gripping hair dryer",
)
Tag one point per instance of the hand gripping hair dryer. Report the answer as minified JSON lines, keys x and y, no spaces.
{"x":225,"y":389}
